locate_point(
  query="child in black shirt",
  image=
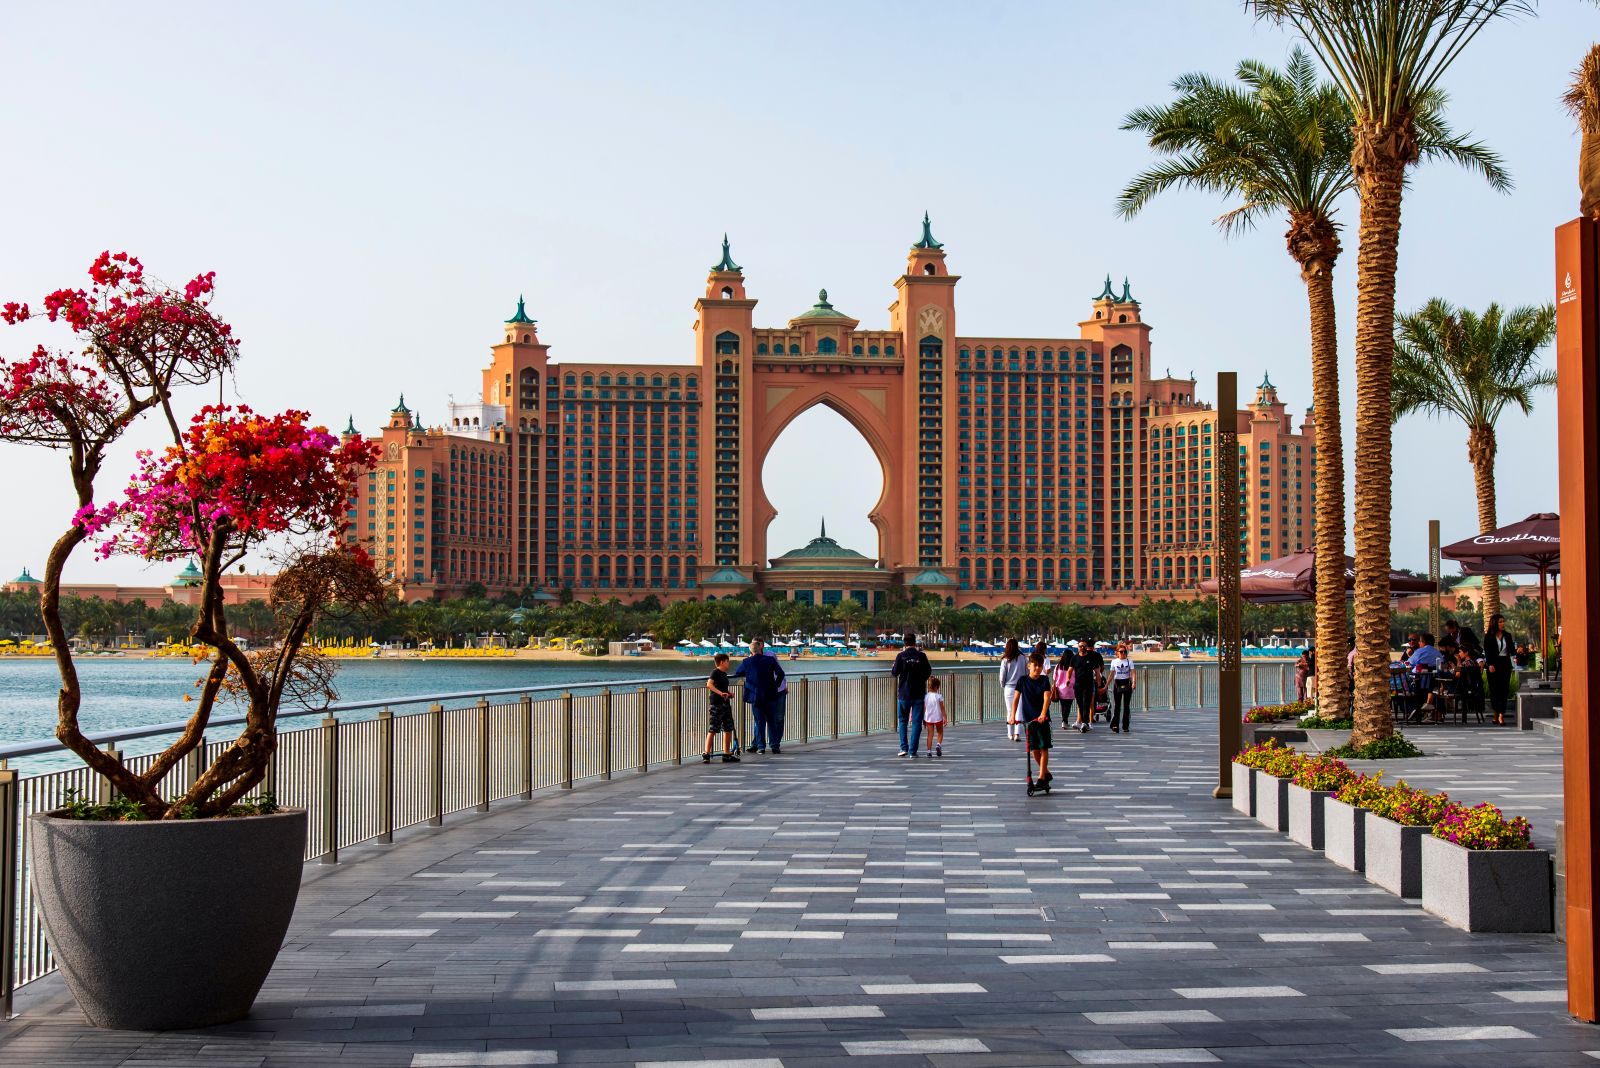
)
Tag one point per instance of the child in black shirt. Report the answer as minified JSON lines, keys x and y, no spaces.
{"x":1033,"y":700}
{"x":719,"y":711}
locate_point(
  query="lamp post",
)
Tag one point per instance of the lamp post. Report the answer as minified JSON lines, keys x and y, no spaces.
{"x":1433,"y":575}
{"x":1225,"y":493}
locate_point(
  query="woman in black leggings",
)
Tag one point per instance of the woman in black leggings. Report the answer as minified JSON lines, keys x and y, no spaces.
{"x":1122,"y":683}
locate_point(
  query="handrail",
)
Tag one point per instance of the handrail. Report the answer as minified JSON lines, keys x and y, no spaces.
{"x":22,"y":749}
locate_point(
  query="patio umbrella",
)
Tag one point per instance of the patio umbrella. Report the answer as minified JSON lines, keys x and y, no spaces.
{"x":1293,"y":578}
{"x":1531,"y":547}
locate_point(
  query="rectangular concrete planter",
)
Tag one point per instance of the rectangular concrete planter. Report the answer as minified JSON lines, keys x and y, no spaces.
{"x":1394,"y":855}
{"x":1272,"y":801}
{"x":1305,"y":815}
{"x":1244,"y":790}
{"x":1344,"y":834}
{"x":1486,"y":889}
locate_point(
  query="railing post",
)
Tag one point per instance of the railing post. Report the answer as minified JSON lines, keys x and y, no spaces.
{"x":8,"y":888}
{"x":436,"y":773}
{"x":677,"y":724}
{"x":107,"y":792}
{"x":833,"y":712}
{"x":644,"y":730}
{"x":866,"y":708}
{"x":605,"y":733}
{"x":483,"y":754}
{"x":196,"y":763}
{"x":1283,"y":683}
{"x":525,"y":744}
{"x":802,"y":684}
{"x":1144,"y":692}
{"x":983,"y":692}
{"x":1172,"y":689}
{"x":330,"y":790}
{"x":566,"y":741}
{"x":386,"y":774}
{"x":1255,"y":684}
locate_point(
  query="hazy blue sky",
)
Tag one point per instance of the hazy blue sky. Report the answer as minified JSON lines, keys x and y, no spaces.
{"x":375,"y":183}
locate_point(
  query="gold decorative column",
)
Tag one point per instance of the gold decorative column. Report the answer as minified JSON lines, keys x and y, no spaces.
{"x":1434,"y":607}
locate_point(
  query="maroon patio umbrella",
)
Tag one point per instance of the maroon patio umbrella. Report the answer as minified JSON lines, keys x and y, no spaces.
{"x":1293,"y":578}
{"x":1531,"y":547}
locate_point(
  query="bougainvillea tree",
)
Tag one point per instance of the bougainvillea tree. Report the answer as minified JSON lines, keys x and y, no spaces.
{"x":231,"y":482}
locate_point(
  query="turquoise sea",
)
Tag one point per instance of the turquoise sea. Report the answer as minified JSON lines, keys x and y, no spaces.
{"x":122,"y":693}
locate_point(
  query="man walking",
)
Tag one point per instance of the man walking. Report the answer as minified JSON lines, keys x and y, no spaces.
{"x":911,"y":672}
{"x":1087,"y":663}
{"x":762,"y":676}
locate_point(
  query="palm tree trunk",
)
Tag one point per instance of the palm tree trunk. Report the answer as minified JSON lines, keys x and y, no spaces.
{"x":1315,"y":244}
{"x":1481,"y":449}
{"x":1380,"y":159}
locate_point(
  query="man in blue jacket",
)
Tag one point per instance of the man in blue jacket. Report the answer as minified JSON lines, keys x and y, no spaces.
{"x":762,"y":673}
{"x":911,"y":673}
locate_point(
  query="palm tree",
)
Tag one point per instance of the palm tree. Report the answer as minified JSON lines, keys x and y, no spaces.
{"x":1452,"y":361}
{"x":1583,"y":101}
{"x":1386,"y":57}
{"x":1280,"y":142}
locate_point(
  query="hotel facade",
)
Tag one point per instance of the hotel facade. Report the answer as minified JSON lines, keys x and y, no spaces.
{"x":1014,"y":469}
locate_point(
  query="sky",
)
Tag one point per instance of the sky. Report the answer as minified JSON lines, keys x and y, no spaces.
{"x":375,"y":184}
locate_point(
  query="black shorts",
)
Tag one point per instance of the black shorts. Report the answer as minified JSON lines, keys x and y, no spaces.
{"x":719,"y":717}
{"x":1038,"y":735}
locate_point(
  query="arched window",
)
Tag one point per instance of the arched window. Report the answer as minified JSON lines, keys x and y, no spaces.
{"x":827,"y":345}
{"x":928,"y":268}
{"x":524,"y":339}
{"x":872,"y":350}
{"x":855,"y":350}
{"x":761,"y":348}
{"x":794,"y":350}
{"x":727,"y":292}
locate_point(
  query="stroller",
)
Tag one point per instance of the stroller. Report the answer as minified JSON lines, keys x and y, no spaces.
{"x":1102,"y":698}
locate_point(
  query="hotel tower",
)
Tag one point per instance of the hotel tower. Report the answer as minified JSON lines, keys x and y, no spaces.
{"x":1014,"y":469}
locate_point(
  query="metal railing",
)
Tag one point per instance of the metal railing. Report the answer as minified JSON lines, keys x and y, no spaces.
{"x":361,"y":780}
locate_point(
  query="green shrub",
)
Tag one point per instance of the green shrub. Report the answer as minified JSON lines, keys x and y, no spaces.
{"x":1394,"y":747}
{"x":1317,"y":723}
{"x":119,"y":809}
{"x":1278,"y":713}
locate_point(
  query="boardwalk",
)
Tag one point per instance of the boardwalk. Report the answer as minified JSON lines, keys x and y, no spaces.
{"x":836,"y":904}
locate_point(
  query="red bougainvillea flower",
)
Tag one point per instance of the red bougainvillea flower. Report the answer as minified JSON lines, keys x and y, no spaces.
{"x":239,"y":474}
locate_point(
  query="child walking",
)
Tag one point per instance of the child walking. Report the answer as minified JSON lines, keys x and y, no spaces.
{"x":933,"y":715}
{"x":719,"y":711}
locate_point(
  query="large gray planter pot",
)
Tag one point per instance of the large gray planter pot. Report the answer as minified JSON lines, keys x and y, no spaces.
{"x":1272,"y":801}
{"x":1305,"y":815}
{"x":1344,"y":837}
{"x":167,"y":924}
{"x":1486,"y":889}
{"x":1244,"y":790}
{"x":1394,"y":855}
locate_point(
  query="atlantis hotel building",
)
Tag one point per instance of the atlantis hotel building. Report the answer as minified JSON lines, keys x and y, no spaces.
{"x":1014,"y":469}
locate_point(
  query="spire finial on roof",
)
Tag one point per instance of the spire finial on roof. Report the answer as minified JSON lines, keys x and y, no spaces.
{"x":1266,"y":381}
{"x":1107,"y":293}
{"x":822,"y":299}
{"x":726,"y":264}
{"x":824,"y":527}
{"x":350,"y":427}
{"x":927,"y":240}
{"x":401,"y":407}
{"x":522,"y":313}
{"x":1127,"y":293}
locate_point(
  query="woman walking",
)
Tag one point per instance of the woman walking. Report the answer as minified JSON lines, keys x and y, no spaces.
{"x":1302,"y":672}
{"x":1122,"y":684}
{"x":1498,"y":649}
{"x":1013,"y":669}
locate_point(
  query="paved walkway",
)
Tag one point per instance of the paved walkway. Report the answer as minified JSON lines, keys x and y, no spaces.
{"x":836,"y":904}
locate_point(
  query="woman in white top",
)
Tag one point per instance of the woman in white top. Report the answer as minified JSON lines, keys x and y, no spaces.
{"x":1013,"y":669}
{"x":1122,"y":683}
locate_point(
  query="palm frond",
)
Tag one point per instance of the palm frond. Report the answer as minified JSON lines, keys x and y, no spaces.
{"x":1583,"y":97}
